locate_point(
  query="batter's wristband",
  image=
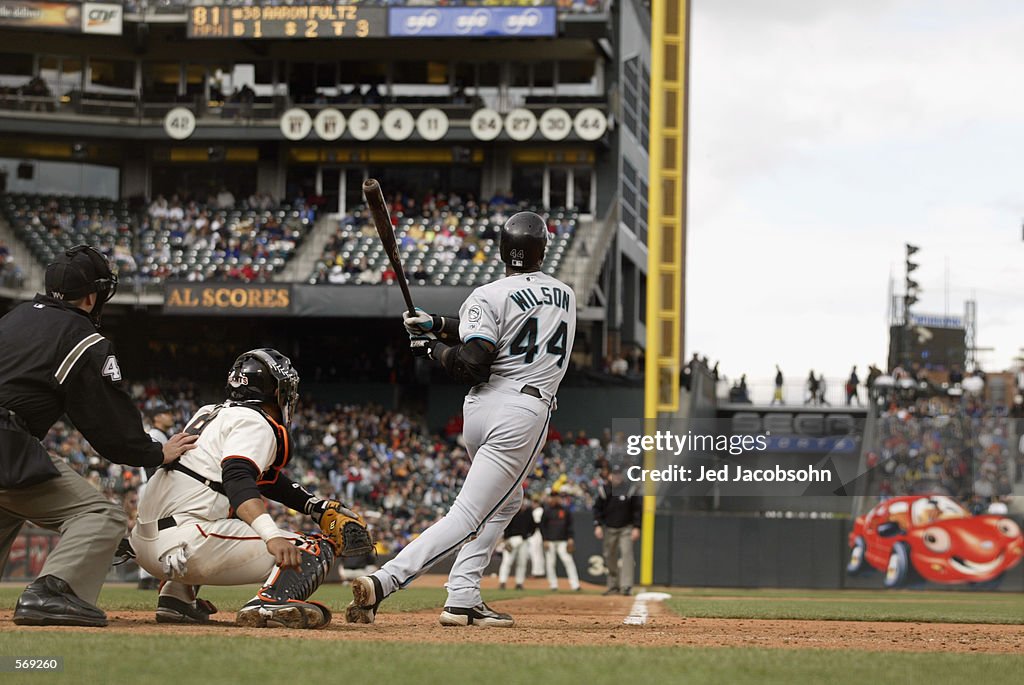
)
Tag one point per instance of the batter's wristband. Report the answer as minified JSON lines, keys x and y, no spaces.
{"x":266,"y":528}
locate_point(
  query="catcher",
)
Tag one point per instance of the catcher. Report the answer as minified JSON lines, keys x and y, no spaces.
{"x":204,"y":521}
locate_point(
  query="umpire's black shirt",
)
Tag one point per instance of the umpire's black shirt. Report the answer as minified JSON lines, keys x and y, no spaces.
{"x":618,"y":506}
{"x":52,"y":363}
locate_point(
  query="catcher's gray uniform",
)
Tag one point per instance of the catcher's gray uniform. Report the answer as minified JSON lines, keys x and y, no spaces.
{"x":531,"y":320}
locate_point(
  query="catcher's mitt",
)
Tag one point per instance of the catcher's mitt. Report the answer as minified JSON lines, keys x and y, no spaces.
{"x":347,"y":532}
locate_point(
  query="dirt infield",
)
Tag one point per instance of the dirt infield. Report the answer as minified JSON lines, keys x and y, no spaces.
{"x":572,"y":620}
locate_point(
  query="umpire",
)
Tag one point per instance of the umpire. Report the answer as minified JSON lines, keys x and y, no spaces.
{"x":618,"y":511}
{"x":53,"y":362}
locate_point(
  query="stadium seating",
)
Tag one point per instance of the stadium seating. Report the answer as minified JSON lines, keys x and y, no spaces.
{"x":447,"y":247}
{"x":198,"y":243}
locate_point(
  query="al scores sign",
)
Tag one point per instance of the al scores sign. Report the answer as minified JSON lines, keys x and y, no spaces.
{"x":87,"y":17}
{"x":472,"y":22}
{"x":239,"y":299}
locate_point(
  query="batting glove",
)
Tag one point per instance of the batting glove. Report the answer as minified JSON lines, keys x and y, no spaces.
{"x":422,"y":346}
{"x":417,"y":322}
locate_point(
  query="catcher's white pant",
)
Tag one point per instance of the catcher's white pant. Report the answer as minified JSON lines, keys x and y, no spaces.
{"x":561,"y":549}
{"x":196,"y":552}
{"x":504,"y":429}
{"x":516,"y":552}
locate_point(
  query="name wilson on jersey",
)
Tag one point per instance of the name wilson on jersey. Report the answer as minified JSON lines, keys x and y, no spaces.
{"x":526,"y":299}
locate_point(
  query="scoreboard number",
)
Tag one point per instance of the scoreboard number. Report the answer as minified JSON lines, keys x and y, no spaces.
{"x":555,"y":124}
{"x":520,"y":124}
{"x":364,"y":124}
{"x":590,"y":123}
{"x":397,"y":124}
{"x":286,"y":20}
{"x":179,"y":123}
{"x":432,"y":124}
{"x":485,"y":124}
{"x":329,"y":124}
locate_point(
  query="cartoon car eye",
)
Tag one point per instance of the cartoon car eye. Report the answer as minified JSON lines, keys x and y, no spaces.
{"x":936,"y":539}
{"x":1008,"y":528}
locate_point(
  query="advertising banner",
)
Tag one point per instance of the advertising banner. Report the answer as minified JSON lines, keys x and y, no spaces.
{"x":472,"y":22}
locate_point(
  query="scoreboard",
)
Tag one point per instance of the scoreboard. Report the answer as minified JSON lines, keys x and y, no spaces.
{"x":287,"y":21}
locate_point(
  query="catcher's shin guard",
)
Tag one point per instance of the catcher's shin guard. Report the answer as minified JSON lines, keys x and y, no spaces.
{"x":283,"y":601}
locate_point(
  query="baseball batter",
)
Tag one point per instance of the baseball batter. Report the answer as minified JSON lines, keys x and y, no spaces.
{"x":512,"y":343}
{"x":204,"y":521}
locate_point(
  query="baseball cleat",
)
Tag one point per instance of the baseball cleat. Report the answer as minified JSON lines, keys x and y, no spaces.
{"x":292,"y":613}
{"x":367,"y":595}
{"x":480,"y":615}
{"x":174,"y":610}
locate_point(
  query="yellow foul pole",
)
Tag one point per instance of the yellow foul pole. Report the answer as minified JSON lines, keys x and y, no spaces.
{"x":666,"y":242}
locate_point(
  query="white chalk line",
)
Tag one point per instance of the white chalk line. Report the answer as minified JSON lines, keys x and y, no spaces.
{"x":639,"y":612}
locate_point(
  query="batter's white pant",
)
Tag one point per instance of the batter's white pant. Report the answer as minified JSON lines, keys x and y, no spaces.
{"x":516,"y":552}
{"x":504,"y":430}
{"x":561,"y":549}
{"x":223,"y":552}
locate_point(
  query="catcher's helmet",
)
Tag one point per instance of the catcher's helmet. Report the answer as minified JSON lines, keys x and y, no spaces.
{"x":524,"y":238}
{"x":265,"y":375}
{"x":77,"y":273}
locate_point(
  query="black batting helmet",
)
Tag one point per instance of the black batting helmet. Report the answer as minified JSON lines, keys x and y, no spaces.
{"x":80,"y":271}
{"x":524,"y":237}
{"x":262,"y":376}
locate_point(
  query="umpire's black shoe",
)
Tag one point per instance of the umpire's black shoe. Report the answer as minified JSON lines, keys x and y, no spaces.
{"x":610,"y":591}
{"x":50,"y":601}
{"x":480,"y":615}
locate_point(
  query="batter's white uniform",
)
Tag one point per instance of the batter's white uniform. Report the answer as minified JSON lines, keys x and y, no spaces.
{"x":531,"y":319}
{"x":206,"y":547}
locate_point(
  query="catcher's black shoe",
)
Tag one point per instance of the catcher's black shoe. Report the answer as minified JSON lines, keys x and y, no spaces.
{"x":174,"y":610}
{"x":291,"y":613}
{"x":50,"y":601}
{"x":367,"y":594}
{"x":480,"y":615}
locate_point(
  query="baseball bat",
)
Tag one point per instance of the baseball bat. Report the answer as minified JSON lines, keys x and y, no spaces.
{"x":382,"y":222}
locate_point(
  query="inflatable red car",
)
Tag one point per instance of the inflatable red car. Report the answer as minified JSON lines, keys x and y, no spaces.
{"x":936,"y":539}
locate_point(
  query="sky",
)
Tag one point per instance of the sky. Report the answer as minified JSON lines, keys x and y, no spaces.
{"x":823,"y":136}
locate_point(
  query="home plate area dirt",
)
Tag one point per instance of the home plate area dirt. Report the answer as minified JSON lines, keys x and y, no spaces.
{"x":593,"y":620}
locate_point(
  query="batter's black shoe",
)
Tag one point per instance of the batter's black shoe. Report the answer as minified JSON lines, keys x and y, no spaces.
{"x":480,"y":615}
{"x":367,"y":594}
{"x":50,"y":601}
{"x":173,"y":610}
{"x":627,"y":591}
{"x":610,"y":591}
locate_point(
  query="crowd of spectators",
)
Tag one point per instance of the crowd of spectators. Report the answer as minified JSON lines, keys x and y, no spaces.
{"x":218,"y":238}
{"x":442,"y":229}
{"x":955,"y":446}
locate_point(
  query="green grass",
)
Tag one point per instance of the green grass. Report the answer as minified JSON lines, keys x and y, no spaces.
{"x":854,"y":605}
{"x":143,"y":659}
{"x":229,"y":599}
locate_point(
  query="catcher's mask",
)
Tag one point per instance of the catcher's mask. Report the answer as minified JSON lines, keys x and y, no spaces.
{"x":265,"y":375}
